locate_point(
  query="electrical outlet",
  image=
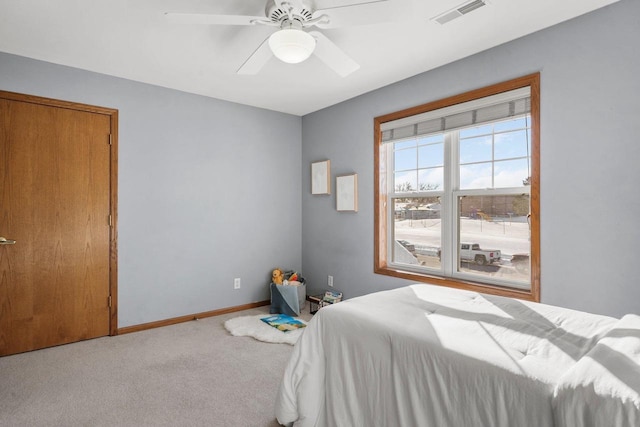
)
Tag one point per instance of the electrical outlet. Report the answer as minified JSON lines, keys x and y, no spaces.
{"x":330,"y":281}
{"x":236,"y":283}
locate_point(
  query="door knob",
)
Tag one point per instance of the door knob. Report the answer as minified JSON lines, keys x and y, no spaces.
{"x":4,"y":241}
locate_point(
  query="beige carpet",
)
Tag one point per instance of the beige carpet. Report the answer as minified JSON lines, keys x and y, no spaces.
{"x":191,"y":374}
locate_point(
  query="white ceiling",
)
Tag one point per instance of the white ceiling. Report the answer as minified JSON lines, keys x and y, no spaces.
{"x":134,"y":40}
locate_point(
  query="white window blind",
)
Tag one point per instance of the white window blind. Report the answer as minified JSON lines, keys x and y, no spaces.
{"x":492,"y":108}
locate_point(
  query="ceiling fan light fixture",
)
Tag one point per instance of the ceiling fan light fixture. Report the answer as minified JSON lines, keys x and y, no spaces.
{"x":292,"y":45}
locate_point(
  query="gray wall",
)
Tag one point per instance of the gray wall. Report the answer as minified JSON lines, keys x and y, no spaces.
{"x":201,"y":197}
{"x":590,"y":151}
{"x":201,"y":202}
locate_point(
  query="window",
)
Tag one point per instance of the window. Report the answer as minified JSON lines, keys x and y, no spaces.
{"x":457,"y":190}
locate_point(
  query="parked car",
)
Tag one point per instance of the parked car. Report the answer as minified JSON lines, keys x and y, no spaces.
{"x":520,"y":262}
{"x":408,"y":246}
{"x":471,"y":252}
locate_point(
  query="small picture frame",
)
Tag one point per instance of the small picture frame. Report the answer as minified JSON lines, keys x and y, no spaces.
{"x":347,"y":193}
{"x":321,"y":177}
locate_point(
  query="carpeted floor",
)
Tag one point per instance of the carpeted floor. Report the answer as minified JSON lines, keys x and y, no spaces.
{"x":190,"y":374}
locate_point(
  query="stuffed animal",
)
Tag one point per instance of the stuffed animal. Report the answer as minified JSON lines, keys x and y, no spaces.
{"x":277,"y":276}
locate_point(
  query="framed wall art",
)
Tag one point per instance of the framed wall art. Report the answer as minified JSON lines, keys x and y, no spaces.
{"x":321,"y":177}
{"x":347,"y":193}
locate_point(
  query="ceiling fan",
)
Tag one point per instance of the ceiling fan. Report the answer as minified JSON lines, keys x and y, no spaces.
{"x":292,"y":43}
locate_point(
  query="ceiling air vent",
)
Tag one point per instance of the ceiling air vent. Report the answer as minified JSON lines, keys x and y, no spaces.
{"x":458,"y":11}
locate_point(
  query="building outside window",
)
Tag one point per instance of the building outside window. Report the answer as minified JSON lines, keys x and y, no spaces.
{"x":457,"y":186}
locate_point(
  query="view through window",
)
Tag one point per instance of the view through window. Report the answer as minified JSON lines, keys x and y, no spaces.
{"x":457,"y":192}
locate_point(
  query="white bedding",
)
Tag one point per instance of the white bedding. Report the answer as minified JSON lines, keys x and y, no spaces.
{"x":432,"y":356}
{"x":603,"y":388}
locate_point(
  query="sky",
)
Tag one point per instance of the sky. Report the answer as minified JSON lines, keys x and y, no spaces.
{"x":494,"y":155}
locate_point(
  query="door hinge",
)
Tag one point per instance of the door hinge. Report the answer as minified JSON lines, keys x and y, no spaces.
{"x":109,"y":301}
{"x":110,"y":223}
{"x":110,"y":140}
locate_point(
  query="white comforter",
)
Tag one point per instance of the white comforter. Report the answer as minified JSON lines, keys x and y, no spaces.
{"x":432,"y":356}
{"x":603,"y":388}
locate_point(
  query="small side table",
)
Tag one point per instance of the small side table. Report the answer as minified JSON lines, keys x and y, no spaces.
{"x":315,"y":303}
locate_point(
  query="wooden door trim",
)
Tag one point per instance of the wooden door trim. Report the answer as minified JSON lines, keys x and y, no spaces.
{"x":113,"y":185}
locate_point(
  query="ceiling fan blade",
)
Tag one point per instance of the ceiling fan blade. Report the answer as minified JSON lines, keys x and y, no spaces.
{"x":257,"y":60}
{"x":207,"y":19}
{"x":364,"y":13}
{"x":333,"y":56}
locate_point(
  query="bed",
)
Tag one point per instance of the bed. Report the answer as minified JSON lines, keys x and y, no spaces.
{"x":426,"y":355}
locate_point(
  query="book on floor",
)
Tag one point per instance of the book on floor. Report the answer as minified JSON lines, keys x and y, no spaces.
{"x":283,"y":322}
{"x":332,"y":297}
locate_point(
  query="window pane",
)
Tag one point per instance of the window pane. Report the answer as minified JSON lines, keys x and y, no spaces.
{"x":476,"y":176}
{"x":511,"y":173}
{"x":475,"y":131}
{"x":495,"y":237}
{"x":431,"y":139}
{"x":405,"y":159}
{"x":407,"y":143}
{"x":476,"y":149}
{"x":431,"y":155}
{"x":405,"y":181}
{"x":431,"y":179}
{"x":417,"y":231}
{"x":511,"y":124}
{"x":511,"y":145}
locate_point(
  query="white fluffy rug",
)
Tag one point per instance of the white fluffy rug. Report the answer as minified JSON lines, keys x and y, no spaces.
{"x":252,"y":326}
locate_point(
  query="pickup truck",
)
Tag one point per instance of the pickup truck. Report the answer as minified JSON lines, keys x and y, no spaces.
{"x":471,"y":252}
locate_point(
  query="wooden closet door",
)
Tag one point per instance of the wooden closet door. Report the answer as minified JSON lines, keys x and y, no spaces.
{"x":55,"y":204}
